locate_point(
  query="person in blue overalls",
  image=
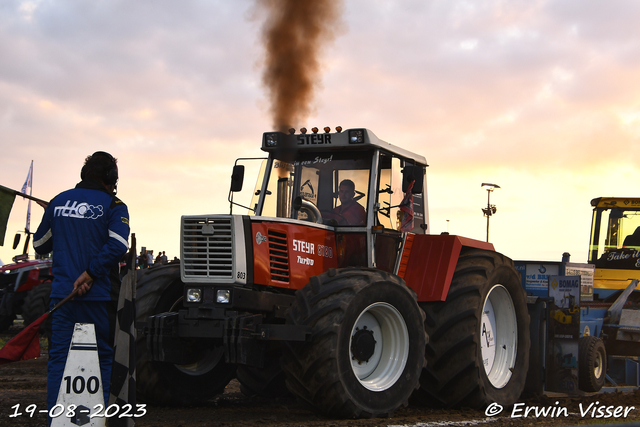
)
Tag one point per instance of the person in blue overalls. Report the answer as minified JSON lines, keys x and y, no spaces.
{"x":87,"y":229}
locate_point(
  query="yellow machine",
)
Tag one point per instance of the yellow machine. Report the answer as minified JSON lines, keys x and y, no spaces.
{"x":615,"y":243}
{"x":566,"y":317}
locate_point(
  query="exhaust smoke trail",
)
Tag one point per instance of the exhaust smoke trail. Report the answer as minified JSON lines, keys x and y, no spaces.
{"x":295,"y":33}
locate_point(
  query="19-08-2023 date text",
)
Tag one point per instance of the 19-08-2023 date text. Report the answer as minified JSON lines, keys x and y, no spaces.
{"x":70,"y":411}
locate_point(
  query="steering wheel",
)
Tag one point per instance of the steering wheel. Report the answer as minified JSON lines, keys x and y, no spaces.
{"x":334,"y":216}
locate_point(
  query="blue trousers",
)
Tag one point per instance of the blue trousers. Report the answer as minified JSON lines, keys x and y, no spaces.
{"x":63,"y":322}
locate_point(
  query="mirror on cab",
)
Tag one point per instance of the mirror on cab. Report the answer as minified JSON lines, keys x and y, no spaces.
{"x":413,"y":173}
{"x":237,"y":178}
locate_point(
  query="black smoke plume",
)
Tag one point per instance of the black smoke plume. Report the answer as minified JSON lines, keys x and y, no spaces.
{"x":295,"y":34}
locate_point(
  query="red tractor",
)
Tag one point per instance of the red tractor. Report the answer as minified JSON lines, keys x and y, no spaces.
{"x":25,"y":286}
{"x":331,"y":288}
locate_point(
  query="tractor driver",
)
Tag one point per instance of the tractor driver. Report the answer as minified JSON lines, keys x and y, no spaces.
{"x":349,"y":209}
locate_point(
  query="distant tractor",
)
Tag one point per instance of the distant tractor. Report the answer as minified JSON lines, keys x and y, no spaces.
{"x":352,"y":309}
{"x":25,"y":286}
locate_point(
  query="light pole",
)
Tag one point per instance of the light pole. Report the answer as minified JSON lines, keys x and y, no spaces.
{"x":490,"y":209}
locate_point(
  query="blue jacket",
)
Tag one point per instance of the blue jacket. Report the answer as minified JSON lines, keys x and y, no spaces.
{"x":86,"y":228}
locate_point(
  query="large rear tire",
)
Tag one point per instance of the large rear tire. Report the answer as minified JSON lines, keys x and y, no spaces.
{"x":478,"y":352}
{"x":592,"y":364}
{"x":367,"y":345}
{"x":160,"y":290}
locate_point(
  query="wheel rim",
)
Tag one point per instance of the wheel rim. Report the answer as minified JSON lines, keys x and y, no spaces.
{"x":207,"y":362}
{"x":498,"y":336}
{"x":379,"y":346}
{"x":598,"y":365}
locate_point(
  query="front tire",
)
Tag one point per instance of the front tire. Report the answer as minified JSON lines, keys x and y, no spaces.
{"x":266,"y":382}
{"x":478,"y":351}
{"x":367,"y":344}
{"x":160,"y":290}
{"x":592,"y":364}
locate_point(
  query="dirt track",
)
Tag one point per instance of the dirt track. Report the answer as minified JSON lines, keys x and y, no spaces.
{"x":24,"y":383}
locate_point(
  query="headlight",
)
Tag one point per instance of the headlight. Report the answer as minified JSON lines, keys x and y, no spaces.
{"x":223,"y":296}
{"x":194,"y":295}
{"x":356,"y":136}
{"x":270,"y":139}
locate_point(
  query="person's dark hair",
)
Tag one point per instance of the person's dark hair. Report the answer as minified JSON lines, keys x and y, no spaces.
{"x":100,"y":166}
{"x":348,"y":183}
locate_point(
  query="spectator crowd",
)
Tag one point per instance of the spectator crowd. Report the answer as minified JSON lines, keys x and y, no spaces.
{"x":146,"y":259}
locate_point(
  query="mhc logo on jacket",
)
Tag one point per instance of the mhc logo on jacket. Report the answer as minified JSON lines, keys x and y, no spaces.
{"x":79,"y":210}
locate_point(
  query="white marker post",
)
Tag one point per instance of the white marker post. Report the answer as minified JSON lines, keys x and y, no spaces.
{"x":80,"y":398}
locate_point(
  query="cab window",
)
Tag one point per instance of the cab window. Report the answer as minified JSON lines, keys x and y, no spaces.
{"x":615,"y":239}
{"x":316,"y":177}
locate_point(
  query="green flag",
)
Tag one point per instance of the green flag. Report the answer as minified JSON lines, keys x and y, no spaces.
{"x":7,"y":196}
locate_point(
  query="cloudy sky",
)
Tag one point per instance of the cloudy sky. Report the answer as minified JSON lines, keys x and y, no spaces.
{"x":539,"y":97}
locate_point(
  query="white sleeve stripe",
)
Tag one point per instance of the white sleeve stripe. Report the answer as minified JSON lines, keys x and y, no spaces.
{"x":119,"y":238}
{"x":43,"y":240}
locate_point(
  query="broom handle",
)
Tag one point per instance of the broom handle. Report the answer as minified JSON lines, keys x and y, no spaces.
{"x":64,"y":301}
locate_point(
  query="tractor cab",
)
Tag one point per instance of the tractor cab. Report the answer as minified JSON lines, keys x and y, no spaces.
{"x":615,"y":243}
{"x":350,"y":181}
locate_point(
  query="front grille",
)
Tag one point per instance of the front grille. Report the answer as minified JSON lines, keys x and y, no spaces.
{"x":278,"y":256}
{"x":207,"y":247}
